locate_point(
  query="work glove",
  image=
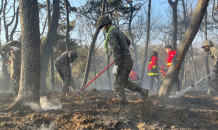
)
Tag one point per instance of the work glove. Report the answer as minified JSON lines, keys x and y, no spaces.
{"x":70,"y":64}
{"x":14,"y":48}
{"x":115,"y":69}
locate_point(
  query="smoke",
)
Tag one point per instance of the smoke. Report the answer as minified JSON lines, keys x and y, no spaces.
{"x":179,"y":94}
{"x":51,"y":104}
{"x":51,"y":126}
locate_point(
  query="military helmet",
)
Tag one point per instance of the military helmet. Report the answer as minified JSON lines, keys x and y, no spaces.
{"x":102,"y":20}
{"x":72,"y":55}
{"x":207,"y":43}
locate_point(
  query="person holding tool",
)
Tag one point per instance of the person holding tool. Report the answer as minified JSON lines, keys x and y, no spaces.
{"x":133,"y":76}
{"x":15,"y":61}
{"x":122,"y":59}
{"x":153,"y":69}
{"x":208,"y":47}
{"x":63,"y":66}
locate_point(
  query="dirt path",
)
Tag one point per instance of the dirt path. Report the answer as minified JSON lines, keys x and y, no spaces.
{"x":96,"y":110}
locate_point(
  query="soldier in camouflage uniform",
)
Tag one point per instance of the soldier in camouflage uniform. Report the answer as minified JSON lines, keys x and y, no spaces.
{"x":14,"y":47}
{"x":63,"y":66}
{"x":213,"y":51}
{"x":122,"y":59}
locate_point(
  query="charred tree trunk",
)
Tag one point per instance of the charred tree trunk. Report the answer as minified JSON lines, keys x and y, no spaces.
{"x":52,"y":57}
{"x":174,"y":8}
{"x":85,"y":78}
{"x":67,"y":27}
{"x":206,"y":56}
{"x":30,"y":63}
{"x":183,"y":48}
{"x":147,"y":41}
{"x":186,"y":25}
{"x":47,"y":48}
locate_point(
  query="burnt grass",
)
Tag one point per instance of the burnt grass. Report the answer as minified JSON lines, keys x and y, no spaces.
{"x":97,"y":110}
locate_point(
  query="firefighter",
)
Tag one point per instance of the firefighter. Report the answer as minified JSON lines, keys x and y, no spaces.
{"x":15,"y":48}
{"x":208,"y":47}
{"x":63,"y":66}
{"x":170,"y":54}
{"x":122,"y":60}
{"x":153,"y":69}
{"x":133,"y":76}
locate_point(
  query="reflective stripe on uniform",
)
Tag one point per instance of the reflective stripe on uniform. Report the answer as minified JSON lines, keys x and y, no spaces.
{"x":134,"y":81}
{"x":168,"y":63}
{"x":153,"y":74}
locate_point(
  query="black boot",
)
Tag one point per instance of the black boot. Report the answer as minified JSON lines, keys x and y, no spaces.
{"x":143,"y":92}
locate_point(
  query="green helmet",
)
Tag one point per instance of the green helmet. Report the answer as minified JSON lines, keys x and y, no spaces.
{"x":102,"y":20}
{"x":207,"y":43}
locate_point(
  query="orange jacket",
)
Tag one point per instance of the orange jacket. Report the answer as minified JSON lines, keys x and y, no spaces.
{"x":152,"y":66}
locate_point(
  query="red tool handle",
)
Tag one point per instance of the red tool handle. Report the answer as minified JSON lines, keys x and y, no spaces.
{"x":97,"y":76}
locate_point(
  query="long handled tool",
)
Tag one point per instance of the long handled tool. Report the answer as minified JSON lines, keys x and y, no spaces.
{"x":176,"y":95}
{"x":97,"y":76}
{"x":201,"y":79}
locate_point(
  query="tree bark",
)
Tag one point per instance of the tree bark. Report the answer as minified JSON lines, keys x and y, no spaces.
{"x":85,"y":78}
{"x":28,"y":96}
{"x":174,"y":8}
{"x":49,"y":42}
{"x":206,"y":56}
{"x":147,"y":41}
{"x":183,"y":48}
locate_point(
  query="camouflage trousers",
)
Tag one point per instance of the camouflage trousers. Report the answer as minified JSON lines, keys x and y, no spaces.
{"x":121,"y":81}
{"x":65,"y":74}
{"x":214,"y":82}
{"x":15,"y":76}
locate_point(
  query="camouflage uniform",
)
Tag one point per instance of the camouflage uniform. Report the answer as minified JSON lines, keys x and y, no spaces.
{"x":16,"y":63}
{"x":62,"y":65}
{"x":214,"y":54}
{"x":120,"y":47}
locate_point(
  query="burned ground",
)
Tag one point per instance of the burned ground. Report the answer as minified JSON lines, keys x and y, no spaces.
{"x":97,"y":110}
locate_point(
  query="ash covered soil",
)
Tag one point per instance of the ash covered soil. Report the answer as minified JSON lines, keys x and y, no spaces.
{"x":96,"y":110}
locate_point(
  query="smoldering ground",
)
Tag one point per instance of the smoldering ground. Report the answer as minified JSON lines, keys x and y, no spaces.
{"x":94,"y":109}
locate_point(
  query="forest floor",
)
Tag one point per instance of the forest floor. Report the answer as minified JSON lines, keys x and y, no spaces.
{"x":97,"y":110}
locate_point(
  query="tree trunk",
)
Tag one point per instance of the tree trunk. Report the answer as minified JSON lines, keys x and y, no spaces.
{"x":47,"y":48}
{"x":147,"y":41}
{"x":174,"y":8}
{"x":29,"y":91}
{"x":67,"y":27}
{"x":183,"y":48}
{"x":206,"y":56}
{"x":186,"y":25}
{"x":196,"y":76}
{"x":85,"y":78}
{"x":108,"y":70}
{"x":132,"y":40}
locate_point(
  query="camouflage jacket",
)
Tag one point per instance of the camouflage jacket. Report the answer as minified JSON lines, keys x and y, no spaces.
{"x":214,"y":54}
{"x":120,"y":46}
{"x":63,"y":59}
{"x":17,"y":54}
